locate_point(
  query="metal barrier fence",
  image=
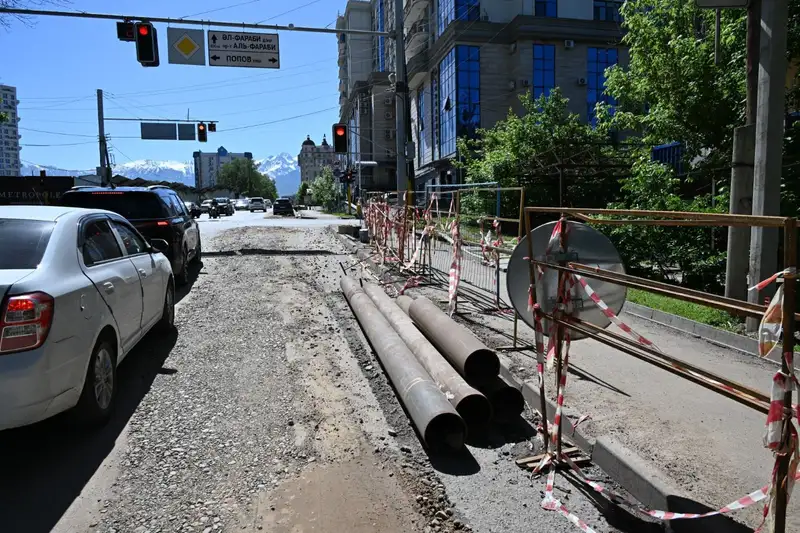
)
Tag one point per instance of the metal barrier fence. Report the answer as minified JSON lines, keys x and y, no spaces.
{"x":450,"y":234}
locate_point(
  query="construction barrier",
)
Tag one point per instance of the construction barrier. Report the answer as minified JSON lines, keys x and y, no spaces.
{"x":450,"y":234}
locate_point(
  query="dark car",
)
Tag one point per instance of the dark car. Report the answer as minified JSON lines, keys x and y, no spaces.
{"x":225,"y":206}
{"x":283,"y":206}
{"x":156,"y":211}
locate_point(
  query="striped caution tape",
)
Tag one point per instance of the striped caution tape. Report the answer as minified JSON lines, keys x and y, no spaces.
{"x":455,"y":268}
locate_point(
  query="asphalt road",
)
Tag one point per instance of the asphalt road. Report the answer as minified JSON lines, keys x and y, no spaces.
{"x":267,"y":411}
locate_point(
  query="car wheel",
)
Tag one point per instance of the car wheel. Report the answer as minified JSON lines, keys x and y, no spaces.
{"x":183,"y":275}
{"x":252,"y":211}
{"x":198,"y":253}
{"x":167,"y":322}
{"x":100,"y":388}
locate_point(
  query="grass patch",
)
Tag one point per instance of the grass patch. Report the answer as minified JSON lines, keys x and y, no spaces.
{"x":692,"y":311}
{"x":340,"y":215}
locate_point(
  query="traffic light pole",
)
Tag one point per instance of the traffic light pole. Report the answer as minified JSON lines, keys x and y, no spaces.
{"x":101,"y":138}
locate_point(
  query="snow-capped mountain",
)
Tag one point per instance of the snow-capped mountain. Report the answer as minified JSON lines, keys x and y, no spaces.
{"x":282,"y":168}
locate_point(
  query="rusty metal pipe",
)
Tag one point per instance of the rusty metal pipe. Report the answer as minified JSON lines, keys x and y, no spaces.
{"x":435,"y":418}
{"x":473,"y":359}
{"x":473,"y":406}
{"x":507,"y":401}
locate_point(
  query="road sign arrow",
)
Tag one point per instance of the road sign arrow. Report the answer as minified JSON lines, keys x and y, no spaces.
{"x":272,"y":60}
{"x":214,"y":39}
{"x":215,"y":57}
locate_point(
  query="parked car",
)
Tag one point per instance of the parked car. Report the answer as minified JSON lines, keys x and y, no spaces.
{"x":242,"y":204}
{"x":156,"y":211}
{"x":193,"y":209}
{"x":205,"y":205}
{"x":283,"y":206}
{"x":225,"y":206}
{"x":257,"y":204}
{"x":78,"y":289}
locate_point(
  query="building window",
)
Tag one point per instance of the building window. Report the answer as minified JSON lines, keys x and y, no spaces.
{"x":544,"y":69}
{"x":599,"y":60}
{"x":435,"y":116}
{"x":447,"y":104}
{"x":547,"y":8}
{"x":381,"y":47}
{"x":607,"y":10}
{"x":468,"y":85}
{"x":450,"y":10}
{"x":421,"y":133}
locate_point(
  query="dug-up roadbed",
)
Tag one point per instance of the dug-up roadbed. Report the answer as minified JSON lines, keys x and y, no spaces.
{"x":710,"y":447}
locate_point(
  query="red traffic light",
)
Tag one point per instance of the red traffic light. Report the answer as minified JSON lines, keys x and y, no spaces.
{"x":340,"y":131}
{"x":144,"y":31}
{"x":201,"y":127}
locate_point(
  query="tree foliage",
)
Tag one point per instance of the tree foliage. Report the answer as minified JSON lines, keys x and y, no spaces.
{"x":302,"y":191}
{"x":242,"y":177}
{"x":323,"y":189}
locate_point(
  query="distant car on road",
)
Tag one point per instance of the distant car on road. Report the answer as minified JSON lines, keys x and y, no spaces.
{"x":225,"y":206}
{"x":205,"y":205}
{"x":242,"y":204}
{"x":257,"y":204}
{"x":283,"y":206}
{"x":156,"y":211}
{"x":79,"y":289}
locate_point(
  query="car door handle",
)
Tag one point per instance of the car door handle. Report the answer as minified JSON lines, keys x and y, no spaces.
{"x":109,"y":287}
{"x":143,"y":272}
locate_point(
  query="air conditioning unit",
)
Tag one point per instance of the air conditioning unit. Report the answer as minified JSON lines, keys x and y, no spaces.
{"x":581,"y":81}
{"x":388,"y":114}
{"x":389,"y":134}
{"x":569,"y":44}
{"x":390,"y":153}
{"x":364,"y":109}
{"x":512,"y":48}
{"x":524,"y":83}
{"x":388,"y":100}
{"x":484,"y":18}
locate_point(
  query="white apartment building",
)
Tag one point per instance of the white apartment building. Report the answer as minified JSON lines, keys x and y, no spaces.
{"x":312,"y":159}
{"x":207,"y":165}
{"x":10,"y":163}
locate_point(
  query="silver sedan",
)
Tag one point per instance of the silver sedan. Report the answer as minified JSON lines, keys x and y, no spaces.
{"x":78,"y":289}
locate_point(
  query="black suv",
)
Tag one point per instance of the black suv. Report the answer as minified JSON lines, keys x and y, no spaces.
{"x":283,"y":206}
{"x":156,"y":211}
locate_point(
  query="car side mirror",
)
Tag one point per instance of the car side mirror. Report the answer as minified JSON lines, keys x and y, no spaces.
{"x":159,"y":245}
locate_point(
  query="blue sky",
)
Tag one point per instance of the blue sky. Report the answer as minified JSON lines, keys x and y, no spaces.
{"x":58,"y":64}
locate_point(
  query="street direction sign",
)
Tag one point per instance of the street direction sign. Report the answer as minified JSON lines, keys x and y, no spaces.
{"x":186,"y":132}
{"x":240,"y":49}
{"x":186,"y":47}
{"x":159,"y":131}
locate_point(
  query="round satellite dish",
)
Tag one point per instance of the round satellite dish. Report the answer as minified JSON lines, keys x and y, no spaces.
{"x":585,"y":245}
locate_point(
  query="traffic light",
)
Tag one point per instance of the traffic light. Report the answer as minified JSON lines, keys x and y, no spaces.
{"x":146,"y":44}
{"x":126,"y":31}
{"x":212,"y":127}
{"x":202,"y":133}
{"x":340,"y":138}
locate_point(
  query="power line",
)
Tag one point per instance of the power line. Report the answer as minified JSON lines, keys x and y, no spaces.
{"x":279,"y":120}
{"x":290,"y":11}
{"x":222,"y":8}
{"x":53,"y":145}
{"x":66,"y":134}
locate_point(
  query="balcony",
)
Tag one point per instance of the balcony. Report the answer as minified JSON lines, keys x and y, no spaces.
{"x":414,"y":10}
{"x":342,"y":60}
{"x":417,"y":36}
{"x":342,"y":85}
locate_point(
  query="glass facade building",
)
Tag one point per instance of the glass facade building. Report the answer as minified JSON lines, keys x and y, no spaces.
{"x":544,"y":69}
{"x":450,"y":10}
{"x":599,"y":59}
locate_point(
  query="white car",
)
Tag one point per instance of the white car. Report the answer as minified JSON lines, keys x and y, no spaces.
{"x":257,"y":204}
{"x":78,"y":289}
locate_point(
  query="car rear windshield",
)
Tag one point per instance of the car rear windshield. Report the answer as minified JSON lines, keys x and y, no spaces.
{"x":23,"y":242}
{"x":130,"y":204}
{"x":256,"y":199}
{"x":283,"y":202}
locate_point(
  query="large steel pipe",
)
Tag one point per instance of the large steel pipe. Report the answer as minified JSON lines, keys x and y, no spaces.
{"x":507,"y":401}
{"x":473,"y":406}
{"x":435,"y":418}
{"x":473,"y":359}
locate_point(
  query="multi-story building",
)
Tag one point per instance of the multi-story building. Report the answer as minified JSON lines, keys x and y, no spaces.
{"x":312,"y":159}
{"x":207,"y":165}
{"x":366,"y":98}
{"x":10,"y":163}
{"x":468,"y":61}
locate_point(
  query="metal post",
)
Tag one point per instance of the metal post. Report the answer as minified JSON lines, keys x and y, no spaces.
{"x":101,"y":137}
{"x":753,"y":54}
{"x":402,"y":95}
{"x":769,"y":140}
{"x":789,"y":302}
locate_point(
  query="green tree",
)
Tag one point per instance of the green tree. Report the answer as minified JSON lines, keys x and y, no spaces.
{"x":302,"y":191}
{"x":242,"y":177}
{"x":323,"y":189}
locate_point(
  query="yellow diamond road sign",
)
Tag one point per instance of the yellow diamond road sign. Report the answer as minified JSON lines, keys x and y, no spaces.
{"x":186,"y":46}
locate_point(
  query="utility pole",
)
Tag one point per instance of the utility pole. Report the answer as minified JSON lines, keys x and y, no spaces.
{"x":401,"y":85}
{"x":769,"y":144}
{"x":744,"y":142}
{"x":105,"y":175}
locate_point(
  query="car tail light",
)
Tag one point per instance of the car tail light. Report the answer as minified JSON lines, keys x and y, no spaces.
{"x":25,"y":322}
{"x":162,"y":223}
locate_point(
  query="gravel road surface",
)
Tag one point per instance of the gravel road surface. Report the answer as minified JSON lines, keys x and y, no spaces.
{"x":267,"y":411}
